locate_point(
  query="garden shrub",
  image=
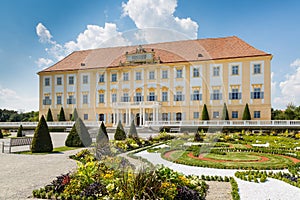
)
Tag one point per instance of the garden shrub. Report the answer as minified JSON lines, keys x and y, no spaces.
{"x":41,"y":141}
{"x":61,"y":116}
{"x":20,"y":129}
{"x":225,"y":115}
{"x":120,"y":133}
{"x":246,"y":113}
{"x":198,"y":137}
{"x":132,"y":131}
{"x":73,"y":139}
{"x":205,"y":115}
{"x":102,"y":142}
{"x":74,"y":115}
{"x":83,"y":132}
{"x":1,"y":134}
{"x":49,"y":117}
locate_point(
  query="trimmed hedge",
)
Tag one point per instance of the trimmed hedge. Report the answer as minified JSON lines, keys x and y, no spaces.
{"x":120,"y":133}
{"x":20,"y":129}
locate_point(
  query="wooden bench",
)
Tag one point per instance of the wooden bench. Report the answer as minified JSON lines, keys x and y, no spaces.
{"x":174,"y":130}
{"x":13,"y":142}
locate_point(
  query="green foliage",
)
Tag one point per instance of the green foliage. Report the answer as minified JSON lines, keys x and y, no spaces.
{"x":120,"y":132}
{"x":20,"y":129}
{"x":225,"y":115}
{"x":132,"y":131}
{"x":49,"y":117}
{"x":73,"y":139}
{"x":102,"y":142}
{"x":246,"y":114}
{"x":198,"y":137}
{"x":61,"y":116}
{"x":14,"y":116}
{"x":1,"y":134}
{"x":74,"y":115}
{"x":83,"y":132}
{"x":41,"y":140}
{"x":205,"y":115}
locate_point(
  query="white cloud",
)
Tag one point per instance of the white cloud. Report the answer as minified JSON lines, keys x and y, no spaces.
{"x":289,"y":88}
{"x":159,"y":14}
{"x":9,"y":99}
{"x":43,"y":33}
{"x":44,"y":62}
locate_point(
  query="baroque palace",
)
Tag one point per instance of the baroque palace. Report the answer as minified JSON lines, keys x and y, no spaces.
{"x":160,"y":82}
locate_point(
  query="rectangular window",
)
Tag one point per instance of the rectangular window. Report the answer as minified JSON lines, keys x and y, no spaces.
{"x":113,"y":77}
{"x":164,"y":96}
{"x":58,"y":100}
{"x":101,"y":98}
{"x":179,"y":96}
{"x":125,"y":76}
{"x":235,"y":94}
{"x":85,"y":99}
{"x":113,"y":98}
{"x":71,"y":100}
{"x":152,"y":75}
{"x":164,"y":74}
{"x":138,"y":97}
{"x":196,"y":96}
{"x":125,"y":98}
{"x":47,"y":81}
{"x":71,"y":80}
{"x":178,"y":73}
{"x":235,"y":70}
{"x":256,"y":114}
{"x":58,"y":81}
{"x":138,"y":76}
{"x":216,"y":114}
{"x":235,"y":114}
{"x":216,"y":95}
{"x":196,"y":115}
{"x":196,"y":72}
{"x":85,"y":79}
{"x":165,"y":116}
{"x":101,"y":78}
{"x":256,"y":68}
{"x":216,"y":71}
{"x":257,"y":94}
{"x":152,"y":96}
{"x":85,"y":116}
{"x":47,"y":101}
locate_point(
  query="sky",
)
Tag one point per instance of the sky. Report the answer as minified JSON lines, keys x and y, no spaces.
{"x":35,"y":34}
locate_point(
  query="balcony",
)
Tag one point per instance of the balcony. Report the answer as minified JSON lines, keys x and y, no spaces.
{"x":142,"y":104}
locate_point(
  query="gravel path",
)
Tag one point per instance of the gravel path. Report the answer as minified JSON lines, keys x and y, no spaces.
{"x":272,"y":189}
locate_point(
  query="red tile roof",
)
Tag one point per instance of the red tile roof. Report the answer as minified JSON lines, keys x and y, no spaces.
{"x":168,"y":52}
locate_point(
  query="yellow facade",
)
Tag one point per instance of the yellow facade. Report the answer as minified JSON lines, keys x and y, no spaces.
{"x":234,"y":81}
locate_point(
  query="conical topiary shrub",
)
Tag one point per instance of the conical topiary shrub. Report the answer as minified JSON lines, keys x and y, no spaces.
{"x":132,"y":131}
{"x":41,"y":141}
{"x":102,"y":142}
{"x":20,"y":129}
{"x":246,"y":114}
{"x":205,"y":115}
{"x":61,"y":116}
{"x":225,"y":115}
{"x":1,"y":135}
{"x":198,"y":137}
{"x":49,"y":117}
{"x":83,"y":132}
{"x":120,"y":133}
{"x":73,"y":139}
{"x":74,"y":115}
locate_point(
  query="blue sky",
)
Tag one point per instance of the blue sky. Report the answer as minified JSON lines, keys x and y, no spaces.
{"x":35,"y":34}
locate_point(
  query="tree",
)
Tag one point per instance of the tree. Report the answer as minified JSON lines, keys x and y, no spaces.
{"x":225,"y":115}
{"x":102,"y":142}
{"x":205,"y":115}
{"x":74,"y":115}
{"x":49,"y":117}
{"x":61,"y":116}
{"x":20,"y":129}
{"x":132,"y":131}
{"x":73,"y":139}
{"x":120,"y":133}
{"x":41,"y":141}
{"x":83,"y":132}
{"x":246,"y":114}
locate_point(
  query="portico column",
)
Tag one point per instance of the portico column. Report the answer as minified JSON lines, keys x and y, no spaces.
{"x":144,"y":116}
{"x":118,"y":116}
{"x":157,"y":114}
{"x":126,"y":117}
{"x":129,"y":117}
{"x":153,"y":114}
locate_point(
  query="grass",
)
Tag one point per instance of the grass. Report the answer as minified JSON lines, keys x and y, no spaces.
{"x":55,"y":150}
{"x":233,"y":156}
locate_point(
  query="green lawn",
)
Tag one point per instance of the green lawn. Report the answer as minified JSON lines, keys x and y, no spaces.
{"x":233,"y":156}
{"x":55,"y":150}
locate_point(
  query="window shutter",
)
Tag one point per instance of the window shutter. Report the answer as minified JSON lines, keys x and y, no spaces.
{"x":183,"y":116}
{"x":252,"y":95}
{"x":239,"y":95}
{"x":169,"y":116}
{"x":220,"y":96}
{"x":104,"y":118}
{"x":262,"y":95}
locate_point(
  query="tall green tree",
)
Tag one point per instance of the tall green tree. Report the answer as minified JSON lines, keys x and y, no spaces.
{"x":41,"y":141}
{"x":74,"y":115}
{"x":20,"y":131}
{"x":120,"y":132}
{"x":205,"y":115}
{"x":132,"y":131}
{"x":61,"y":116}
{"x":246,"y":113}
{"x":225,"y":115}
{"x":49,"y":117}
